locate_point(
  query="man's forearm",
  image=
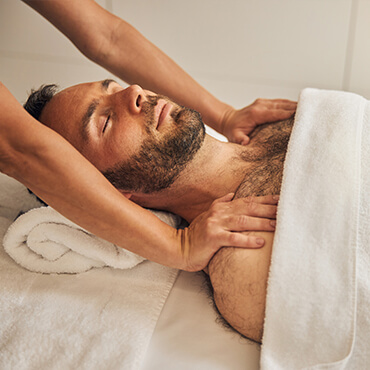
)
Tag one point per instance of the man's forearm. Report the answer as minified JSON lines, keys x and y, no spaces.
{"x":121,"y":49}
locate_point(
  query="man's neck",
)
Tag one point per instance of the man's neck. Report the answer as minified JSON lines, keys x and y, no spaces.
{"x":215,"y":171}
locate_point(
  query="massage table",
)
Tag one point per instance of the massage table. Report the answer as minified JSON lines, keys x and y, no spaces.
{"x":153,"y":317}
{"x":89,"y":320}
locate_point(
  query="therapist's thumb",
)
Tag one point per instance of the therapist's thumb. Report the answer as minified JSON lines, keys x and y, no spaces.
{"x":241,"y":138}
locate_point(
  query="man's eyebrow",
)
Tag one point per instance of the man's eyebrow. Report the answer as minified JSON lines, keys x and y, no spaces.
{"x":86,"y":119}
{"x":105,"y":84}
{"x":91,"y":109}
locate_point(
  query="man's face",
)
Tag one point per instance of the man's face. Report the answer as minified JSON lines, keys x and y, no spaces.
{"x":139,"y":140}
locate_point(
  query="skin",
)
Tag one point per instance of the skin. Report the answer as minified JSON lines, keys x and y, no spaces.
{"x":239,"y":277}
{"x":124,"y":134}
{"x":239,"y":280}
{"x":103,"y":149}
{"x":47,"y":164}
{"x":117,"y":46}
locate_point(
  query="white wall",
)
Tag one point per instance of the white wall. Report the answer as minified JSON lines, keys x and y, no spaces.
{"x":238,"y":49}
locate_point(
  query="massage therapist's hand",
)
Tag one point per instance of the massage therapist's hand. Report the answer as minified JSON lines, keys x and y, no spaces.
{"x":222,"y":225}
{"x":238,"y":124}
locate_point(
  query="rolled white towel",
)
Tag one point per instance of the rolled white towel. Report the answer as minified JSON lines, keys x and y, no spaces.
{"x":42,"y":240}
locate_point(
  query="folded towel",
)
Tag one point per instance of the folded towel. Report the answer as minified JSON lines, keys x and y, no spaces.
{"x":42,"y":240}
{"x":101,"y":319}
{"x":319,"y":281}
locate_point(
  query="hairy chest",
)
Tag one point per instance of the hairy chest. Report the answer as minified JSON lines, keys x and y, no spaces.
{"x":264,"y":158}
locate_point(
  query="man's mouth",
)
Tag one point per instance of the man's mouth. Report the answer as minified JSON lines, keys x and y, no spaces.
{"x":164,"y":110}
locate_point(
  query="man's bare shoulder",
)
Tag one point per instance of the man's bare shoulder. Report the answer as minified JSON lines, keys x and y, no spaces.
{"x":239,"y":279}
{"x":239,"y":276}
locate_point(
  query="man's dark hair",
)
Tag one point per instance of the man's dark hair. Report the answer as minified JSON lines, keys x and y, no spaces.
{"x":36,"y":103}
{"x":39,"y":98}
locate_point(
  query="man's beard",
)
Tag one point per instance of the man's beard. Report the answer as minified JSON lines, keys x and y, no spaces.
{"x":159,"y":163}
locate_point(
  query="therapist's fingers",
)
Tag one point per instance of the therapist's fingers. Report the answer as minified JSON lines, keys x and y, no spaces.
{"x":212,"y":230}
{"x":265,"y":199}
{"x":248,"y":207}
{"x":224,"y":224}
{"x":283,"y":104}
{"x":280,"y":103}
{"x":271,"y":110}
{"x":266,"y":110}
{"x":240,"y":137}
{"x":241,"y":240}
{"x":247,"y":223}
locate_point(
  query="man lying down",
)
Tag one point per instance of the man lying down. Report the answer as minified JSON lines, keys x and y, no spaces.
{"x":158,"y":155}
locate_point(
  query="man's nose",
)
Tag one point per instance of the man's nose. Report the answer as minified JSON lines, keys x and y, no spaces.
{"x":136,"y":97}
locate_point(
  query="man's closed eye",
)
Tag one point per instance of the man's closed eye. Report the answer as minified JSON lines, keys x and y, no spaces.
{"x":106,"y":124}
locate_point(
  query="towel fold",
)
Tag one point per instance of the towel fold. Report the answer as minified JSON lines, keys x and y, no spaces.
{"x":319,"y":280}
{"x":42,"y":240}
{"x":102,"y":319}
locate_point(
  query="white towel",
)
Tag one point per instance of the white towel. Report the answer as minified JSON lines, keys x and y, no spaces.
{"x":316,"y":316}
{"x":100,"y":319}
{"x":42,"y":240}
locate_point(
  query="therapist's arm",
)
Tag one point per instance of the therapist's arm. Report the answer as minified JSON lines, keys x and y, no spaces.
{"x":120,"y":48}
{"x":48,"y":165}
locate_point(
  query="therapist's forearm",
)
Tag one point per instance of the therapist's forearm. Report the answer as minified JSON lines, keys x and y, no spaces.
{"x":121,"y":49}
{"x":143,"y":63}
{"x":47,"y":164}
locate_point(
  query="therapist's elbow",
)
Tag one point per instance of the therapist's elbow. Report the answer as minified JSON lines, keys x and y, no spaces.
{"x":97,"y":45}
{"x":102,"y":45}
{"x":93,"y":49}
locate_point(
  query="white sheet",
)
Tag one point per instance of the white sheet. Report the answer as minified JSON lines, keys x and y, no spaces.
{"x":318,"y":293}
{"x":70,"y":321}
{"x":103,"y":318}
{"x":187,"y":335}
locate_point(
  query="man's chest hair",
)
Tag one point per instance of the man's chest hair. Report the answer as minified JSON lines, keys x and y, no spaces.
{"x":265,"y":157}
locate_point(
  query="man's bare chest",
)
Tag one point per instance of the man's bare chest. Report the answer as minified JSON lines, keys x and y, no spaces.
{"x":264,"y":158}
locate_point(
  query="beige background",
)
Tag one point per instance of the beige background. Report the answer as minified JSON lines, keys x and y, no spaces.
{"x":238,"y":49}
